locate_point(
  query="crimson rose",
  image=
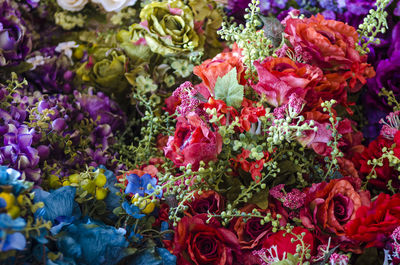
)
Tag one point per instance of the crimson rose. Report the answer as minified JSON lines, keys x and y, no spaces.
{"x":374,"y":225}
{"x":199,"y":243}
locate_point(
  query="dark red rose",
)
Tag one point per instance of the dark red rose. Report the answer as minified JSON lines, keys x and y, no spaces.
{"x":284,"y":243}
{"x":252,"y":233}
{"x":373,"y":225}
{"x":330,"y":206}
{"x":208,"y":201}
{"x":197,"y":242}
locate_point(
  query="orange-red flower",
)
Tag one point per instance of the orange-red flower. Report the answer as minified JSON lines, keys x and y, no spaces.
{"x":219,"y":66}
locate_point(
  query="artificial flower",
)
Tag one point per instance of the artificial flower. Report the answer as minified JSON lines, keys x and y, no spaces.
{"x":330,"y":43}
{"x":330,"y":206}
{"x":252,"y":232}
{"x":201,"y":243}
{"x":11,"y":238}
{"x":374,"y":224}
{"x":281,"y":77}
{"x":141,"y":185}
{"x":168,"y":28}
{"x":90,"y":242}
{"x":72,"y":5}
{"x":220,"y":65}
{"x":107,"y":72}
{"x":384,"y":173}
{"x":206,"y":202}
{"x":114,"y":5}
{"x":15,"y":42}
{"x":193,"y":142}
{"x":57,"y":203}
{"x":284,"y":244}
{"x":156,"y":256}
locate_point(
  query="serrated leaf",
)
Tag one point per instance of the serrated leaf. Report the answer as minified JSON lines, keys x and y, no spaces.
{"x":229,"y":90}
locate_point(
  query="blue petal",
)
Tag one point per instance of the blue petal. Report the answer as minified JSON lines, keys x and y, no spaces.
{"x":168,"y":258}
{"x":132,"y":210}
{"x":98,"y":244}
{"x":6,"y":222}
{"x":160,"y":256}
{"x":134,"y":185}
{"x":59,"y":202}
{"x":2,"y":203}
{"x":14,"y":241}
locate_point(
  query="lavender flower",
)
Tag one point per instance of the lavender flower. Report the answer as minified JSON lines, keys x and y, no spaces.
{"x":50,"y":71}
{"x":15,"y":43}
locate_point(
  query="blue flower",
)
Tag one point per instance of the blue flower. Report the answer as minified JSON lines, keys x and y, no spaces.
{"x":57,"y":203}
{"x":164,"y":227}
{"x":140,"y":185}
{"x":92,"y":242}
{"x":12,"y":240}
{"x":156,"y":256}
{"x":112,"y":200}
{"x":6,"y":222}
{"x":132,"y":210}
{"x":9,"y":176}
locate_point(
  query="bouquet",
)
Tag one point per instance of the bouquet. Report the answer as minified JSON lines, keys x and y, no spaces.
{"x":199,"y":132}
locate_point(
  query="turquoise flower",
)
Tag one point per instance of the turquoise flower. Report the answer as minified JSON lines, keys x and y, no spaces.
{"x":90,"y":242}
{"x":57,"y":203}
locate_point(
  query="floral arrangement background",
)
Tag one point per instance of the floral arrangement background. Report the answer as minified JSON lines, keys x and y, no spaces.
{"x":199,"y":132}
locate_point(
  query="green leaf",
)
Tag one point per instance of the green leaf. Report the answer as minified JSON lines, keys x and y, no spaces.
{"x":260,"y":199}
{"x":229,"y":90}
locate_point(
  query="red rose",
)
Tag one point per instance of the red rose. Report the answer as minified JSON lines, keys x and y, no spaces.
{"x":281,"y":77}
{"x":284,"y":244}
{"x":199,"y":243}
{"x":374,"y":225}
{"x":219,"y":66}
{"x":330,"y":206}
{"x":193,"y":142}
{"x":252,"y":233}
{"x":208,"y":201}
{"x":383,"y":173}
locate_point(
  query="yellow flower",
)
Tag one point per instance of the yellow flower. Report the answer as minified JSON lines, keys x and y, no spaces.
{"x":101,"y":193}
{"x":145,"y":206}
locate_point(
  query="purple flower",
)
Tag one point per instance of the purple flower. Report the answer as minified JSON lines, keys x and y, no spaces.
{"x":237,"y":7}
{"x":387,"y":73}
{"x":15,"y":43}
{"x":18,"y":153}
{"x":50,"y":71}
{"x":100,"y":105}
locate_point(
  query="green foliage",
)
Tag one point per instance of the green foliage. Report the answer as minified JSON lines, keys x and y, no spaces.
{"x":374,"y":23}
{"x":334,"y":144}
{"x":229,"y":90}
{"x":11,"y":87}
{"x":255,"y":45}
